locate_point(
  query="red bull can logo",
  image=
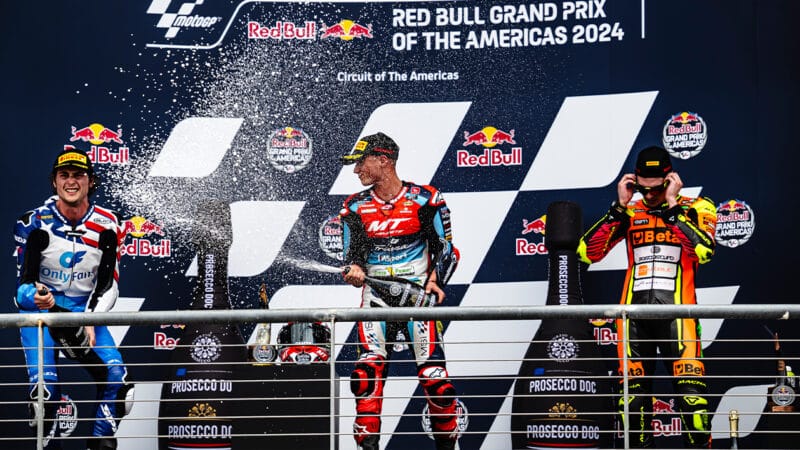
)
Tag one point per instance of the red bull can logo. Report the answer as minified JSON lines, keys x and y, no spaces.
{"x":140,"y":227}
{"x":100,"y":137}
{"x":346,"y":30}
{"x":684,"y":135}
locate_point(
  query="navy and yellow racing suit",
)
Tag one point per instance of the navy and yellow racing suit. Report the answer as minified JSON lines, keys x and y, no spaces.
{"x":408,"y":236}
{"x":665,"y":246}
{"x":67,"y":257}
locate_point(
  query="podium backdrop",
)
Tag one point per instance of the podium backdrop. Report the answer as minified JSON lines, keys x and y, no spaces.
{"x":504,"y":106}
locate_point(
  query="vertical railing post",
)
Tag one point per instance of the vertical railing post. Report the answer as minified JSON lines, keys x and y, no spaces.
{"x":625,"y":407}
{"x":40,"y":387}
{"x":332,"y":360}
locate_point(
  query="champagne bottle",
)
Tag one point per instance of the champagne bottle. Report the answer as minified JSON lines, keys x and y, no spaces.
{"x":733,"y":419}
{"x":782,"y":395}
{"x":261,"y":351}
{"x":73,"y":340}
{"x":396,"y":291}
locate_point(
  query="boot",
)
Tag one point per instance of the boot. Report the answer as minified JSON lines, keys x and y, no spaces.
{"x":370,"y":442}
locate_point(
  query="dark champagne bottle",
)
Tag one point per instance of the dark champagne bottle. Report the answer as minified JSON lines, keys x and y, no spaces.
{"x":73,"y":340}
{"x":733,"y":419}
{"x":396,"y":291}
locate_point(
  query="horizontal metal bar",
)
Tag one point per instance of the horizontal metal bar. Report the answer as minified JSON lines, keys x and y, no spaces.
{"x":773,"y":311}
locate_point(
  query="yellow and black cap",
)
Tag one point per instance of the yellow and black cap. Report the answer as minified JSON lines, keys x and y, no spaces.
{"x":653,"y":162}
{"x":374,"y":144}
{"x":74,"y":158}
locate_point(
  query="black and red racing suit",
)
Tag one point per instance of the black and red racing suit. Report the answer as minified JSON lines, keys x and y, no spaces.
{"x":665,"y":246}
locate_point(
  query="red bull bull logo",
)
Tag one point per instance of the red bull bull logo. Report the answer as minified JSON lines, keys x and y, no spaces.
{"x":535,"y":226}
{"x":526,"y":247}
{"x":98,"y":135}
{"x":489,"y":137}
{"x":662,"y":407}
{"x":346,"y":30}
{"x":140,"y":227}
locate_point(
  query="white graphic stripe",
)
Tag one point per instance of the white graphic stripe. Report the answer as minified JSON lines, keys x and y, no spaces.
{"x":503,"y":356}
{"x":195,"y":147}
{"x":423,"y":131}
{"x":588,"y":142}
{"x":476,"y":218}
{"x":749,"y":401}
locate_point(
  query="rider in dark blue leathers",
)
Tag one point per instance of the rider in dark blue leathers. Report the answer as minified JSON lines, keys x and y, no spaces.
{"x":68,"y":254}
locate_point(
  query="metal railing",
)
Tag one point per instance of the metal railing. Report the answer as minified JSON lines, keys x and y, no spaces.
{"x":332,"y":316}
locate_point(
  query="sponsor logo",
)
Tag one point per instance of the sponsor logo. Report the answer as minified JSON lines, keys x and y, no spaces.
{"x":282,"y":30}
{"x":651,"y":236}
{"x":535,"y":226}
{"x":735,"y":223}
{"x":68,"y":260}
{"x":100,"y":136}
{"x":67,"y":415}
{"x":346,"y":30}
{"x":684,"y":135}
{"x":289,"y":149}
{"x":489,"y":137}
{"x":201,"y":385}
{"x":182,"y":18}
{"x":161,"y":341}
{"x":462,"y":419}
{"x":139,"y":228}
{"x":562,"y":348}
{"x":330,"y":237}
{"x":206,"y":348}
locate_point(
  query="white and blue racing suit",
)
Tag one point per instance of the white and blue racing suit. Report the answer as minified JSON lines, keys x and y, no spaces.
{"x":67,"y":259}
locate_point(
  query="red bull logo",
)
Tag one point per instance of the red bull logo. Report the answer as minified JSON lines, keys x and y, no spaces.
{"x":282,"y":30}
{"x":96,"y":134}
{"x":140,"y":227}
{"x":346,"y":30}
{"x":488,"y":137}
{"x":535,"y":226}
{"x":662,"y":407}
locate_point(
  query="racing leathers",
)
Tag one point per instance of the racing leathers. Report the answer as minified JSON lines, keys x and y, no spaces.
{"x":78,"y":263}
{"x":665,"y":246}
{"x":408,"y":236}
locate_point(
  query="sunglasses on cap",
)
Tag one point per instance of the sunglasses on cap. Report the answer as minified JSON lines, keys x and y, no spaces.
{"x":648,"y":189}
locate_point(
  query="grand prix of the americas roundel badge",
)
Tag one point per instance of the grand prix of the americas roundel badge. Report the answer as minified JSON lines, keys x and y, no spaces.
{"x":684,"y":135}
{"x":289,"y":149}
{"x":330,"y":238}
{"x":735,"y":223}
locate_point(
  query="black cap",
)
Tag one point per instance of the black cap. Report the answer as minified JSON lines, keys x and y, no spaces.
{"x":653,"y":162}
{"x":374,"y":144}
{"x":73,"y":157}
